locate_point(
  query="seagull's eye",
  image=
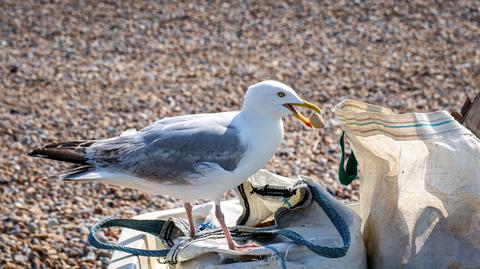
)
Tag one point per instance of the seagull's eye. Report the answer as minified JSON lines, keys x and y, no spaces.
{"x":281,"y":94}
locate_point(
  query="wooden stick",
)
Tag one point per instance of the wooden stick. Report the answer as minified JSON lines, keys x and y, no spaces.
{"x":471,"y":115}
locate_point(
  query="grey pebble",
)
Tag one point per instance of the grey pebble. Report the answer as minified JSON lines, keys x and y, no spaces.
{"x":21,"y":258}
{"x":32,"y":227}
{"x":52,"y":223}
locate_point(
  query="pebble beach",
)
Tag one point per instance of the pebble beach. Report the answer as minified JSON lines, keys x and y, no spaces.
{"x":72,"y":70}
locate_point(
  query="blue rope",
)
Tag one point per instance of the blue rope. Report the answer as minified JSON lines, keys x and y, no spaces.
{"x":111,"y":222}
{"x":340,"y":225}
{"x":281,"y":260}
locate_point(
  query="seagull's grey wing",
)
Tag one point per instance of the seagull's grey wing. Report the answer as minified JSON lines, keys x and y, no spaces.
{"x":168,"y":150}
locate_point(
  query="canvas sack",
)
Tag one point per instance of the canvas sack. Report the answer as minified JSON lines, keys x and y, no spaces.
{"x":419,"y":186}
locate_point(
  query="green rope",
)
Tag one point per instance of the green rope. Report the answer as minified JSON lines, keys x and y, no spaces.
{"x":347,"y":174}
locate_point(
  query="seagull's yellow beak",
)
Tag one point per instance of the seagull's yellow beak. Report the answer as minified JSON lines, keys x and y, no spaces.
{"x":299,"y":116}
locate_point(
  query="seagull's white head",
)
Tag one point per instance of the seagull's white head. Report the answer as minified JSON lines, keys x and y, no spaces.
{"x":275,"y":99}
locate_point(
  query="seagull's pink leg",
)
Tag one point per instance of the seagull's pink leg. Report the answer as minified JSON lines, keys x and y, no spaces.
{"x":221,"y":219}
{"x":188,"y":210}
{"x":228,"y":236}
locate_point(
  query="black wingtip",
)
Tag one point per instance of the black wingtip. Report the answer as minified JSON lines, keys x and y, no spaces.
{"x":38,"y":152}
{"x":59,"y":154}
{"x":34,"y":153}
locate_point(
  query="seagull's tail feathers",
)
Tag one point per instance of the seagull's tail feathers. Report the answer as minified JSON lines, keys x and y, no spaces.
{"x":71,"y":151}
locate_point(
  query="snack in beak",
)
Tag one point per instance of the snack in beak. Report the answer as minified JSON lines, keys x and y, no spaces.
{"x":317,"y":120}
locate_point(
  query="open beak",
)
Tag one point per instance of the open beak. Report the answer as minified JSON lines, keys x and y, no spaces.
{"x":299,"y":116}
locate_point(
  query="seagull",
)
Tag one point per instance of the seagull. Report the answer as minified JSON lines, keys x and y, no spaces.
{"x":189,"y":157}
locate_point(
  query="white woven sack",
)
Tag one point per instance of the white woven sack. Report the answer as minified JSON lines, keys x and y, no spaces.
{"x":420,"y":187}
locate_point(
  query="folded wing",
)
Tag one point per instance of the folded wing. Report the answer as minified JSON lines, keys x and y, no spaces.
{"x":169,"y":149}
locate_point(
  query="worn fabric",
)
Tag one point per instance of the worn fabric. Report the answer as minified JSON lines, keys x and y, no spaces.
{"x":420,"y":187}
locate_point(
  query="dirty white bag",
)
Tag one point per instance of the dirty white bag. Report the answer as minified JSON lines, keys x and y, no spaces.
{"x":298,"y":223}
{"x":419,"y":186}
